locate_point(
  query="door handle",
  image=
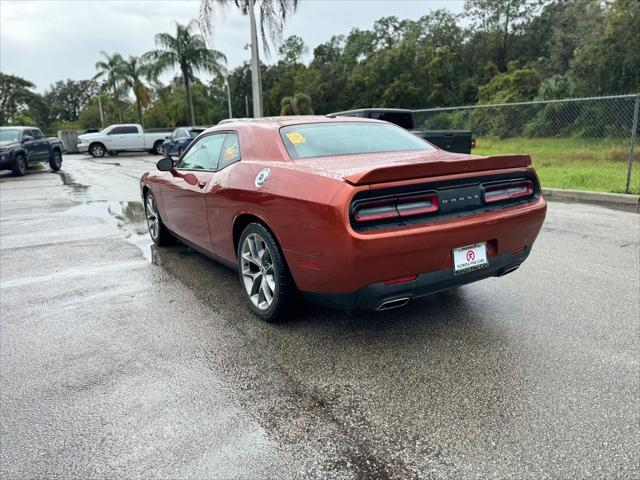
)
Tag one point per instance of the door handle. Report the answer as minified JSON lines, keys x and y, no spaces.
{"x":202,"y":184}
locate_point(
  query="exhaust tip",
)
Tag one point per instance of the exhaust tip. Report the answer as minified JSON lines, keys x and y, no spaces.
{"x":509,"y":270}
{"x":395,"y":303}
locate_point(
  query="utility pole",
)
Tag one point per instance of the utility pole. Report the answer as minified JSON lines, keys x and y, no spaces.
{"x":226,"y":81}
{"x":101,"y":114}
{"x":246,"y":106}
{"x":256,"y":83}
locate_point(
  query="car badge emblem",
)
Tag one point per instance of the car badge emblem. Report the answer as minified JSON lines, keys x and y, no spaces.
{"x":262,"y":177}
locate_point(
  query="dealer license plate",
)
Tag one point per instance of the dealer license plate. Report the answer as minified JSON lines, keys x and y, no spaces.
{"x":470,"y":258}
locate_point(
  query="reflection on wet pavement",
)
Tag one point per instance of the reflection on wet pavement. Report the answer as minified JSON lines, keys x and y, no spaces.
{"x":127,"y":216}
{"x":77,"y":190}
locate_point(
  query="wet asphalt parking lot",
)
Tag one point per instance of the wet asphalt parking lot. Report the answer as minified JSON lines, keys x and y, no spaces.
{"x":118,"y":359}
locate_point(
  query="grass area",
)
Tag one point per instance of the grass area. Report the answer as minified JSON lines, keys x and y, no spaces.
{"x":581,"y":164}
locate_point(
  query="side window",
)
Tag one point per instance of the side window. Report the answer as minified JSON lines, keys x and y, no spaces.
{"x":204,"y":154}
{"x":37,"y":134}
{"x":174,"y":135}
{"x":230,"y":151}
{"x":123,"y":130}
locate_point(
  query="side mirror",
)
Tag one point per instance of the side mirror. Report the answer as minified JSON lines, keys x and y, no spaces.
{"x":165,"y":164}
{"x":27,"y":138}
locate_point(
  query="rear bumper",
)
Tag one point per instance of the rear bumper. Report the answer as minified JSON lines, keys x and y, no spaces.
{"x":351,"y":261}
{"x":379,"y":296}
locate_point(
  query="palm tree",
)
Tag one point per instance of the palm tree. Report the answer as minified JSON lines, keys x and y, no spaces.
{"x":110,"y":70}
{"x":273,"y":14}
{"x":188,"y":52}
{"x":132,"y":71}
{"x":299,"y":104}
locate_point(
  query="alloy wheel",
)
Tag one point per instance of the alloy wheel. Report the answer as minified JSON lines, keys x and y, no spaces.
{"x":258,"y":273}
{"x":97,"y":151}
{"x":152,"y":216}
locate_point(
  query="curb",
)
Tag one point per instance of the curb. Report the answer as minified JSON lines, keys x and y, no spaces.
{"x":592,"y":197}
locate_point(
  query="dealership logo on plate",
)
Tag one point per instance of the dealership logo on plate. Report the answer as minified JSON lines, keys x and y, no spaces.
{"x":262,"y":177}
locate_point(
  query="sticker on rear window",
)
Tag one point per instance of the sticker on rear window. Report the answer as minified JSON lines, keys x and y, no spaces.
{"x":230,"y":153}
{"x":295,"y":137}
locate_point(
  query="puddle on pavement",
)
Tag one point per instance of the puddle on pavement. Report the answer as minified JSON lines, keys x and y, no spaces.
{"x":78,"y":191}
{"x":128,"y":217}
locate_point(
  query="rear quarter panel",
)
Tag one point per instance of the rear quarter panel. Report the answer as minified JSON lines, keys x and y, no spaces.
{"x":300,"y":208}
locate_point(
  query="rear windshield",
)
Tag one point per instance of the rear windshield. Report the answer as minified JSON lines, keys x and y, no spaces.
{"x":345,"y":138}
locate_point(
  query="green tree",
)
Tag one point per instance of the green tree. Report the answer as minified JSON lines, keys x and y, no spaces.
{"x":15,"y":95}
{"x":133,"y":71}
{"x":292,"y":49}
{"x":608,"y":61}
{"x":110,"y":71}
{"x":499,"y":18}
{"x":298,"y":104}
{"x":67,"y":98}
{"x":388,"y":31}
{"x":273,"y":15}
{"x":514,"y":85}
{"x":188,"y":53}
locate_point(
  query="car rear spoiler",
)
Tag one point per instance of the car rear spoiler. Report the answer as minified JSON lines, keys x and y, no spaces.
{"x":437,"y":168}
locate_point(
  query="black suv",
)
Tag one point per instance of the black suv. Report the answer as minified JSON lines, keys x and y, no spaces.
{"x":24,"y":146}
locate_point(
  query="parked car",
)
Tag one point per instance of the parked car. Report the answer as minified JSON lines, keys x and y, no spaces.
{"x":24,"y":146}
{"x":121,"y":138}
{"x":457,"y":141}
{"x":354,"y":213}
{"x":179,"y":139}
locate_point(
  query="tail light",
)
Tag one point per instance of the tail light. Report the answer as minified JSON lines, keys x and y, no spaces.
{"x":417,"y":205}
{"x":503,"y":191}
{"x":376,"y":210}
{"x":395,"y":207}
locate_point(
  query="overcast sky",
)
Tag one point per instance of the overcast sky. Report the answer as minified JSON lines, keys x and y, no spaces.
{"x":48,"y":40}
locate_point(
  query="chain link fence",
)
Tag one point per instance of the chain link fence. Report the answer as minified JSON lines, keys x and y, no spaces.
{"x":575,"y":143}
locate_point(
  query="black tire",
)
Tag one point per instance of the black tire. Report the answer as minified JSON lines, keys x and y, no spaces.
{"x":159,"y":233}
{"x":97,"y":150}
{"x":283,"y":291}
{"x":55,"y":160}
{"x":19,"y":166}
{"x":157,"y":148}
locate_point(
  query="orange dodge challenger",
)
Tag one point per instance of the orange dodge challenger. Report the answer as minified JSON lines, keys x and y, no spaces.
{"x":353,"y":213}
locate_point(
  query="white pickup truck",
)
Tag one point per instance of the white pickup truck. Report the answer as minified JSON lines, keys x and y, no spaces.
{"x":129,"y":137}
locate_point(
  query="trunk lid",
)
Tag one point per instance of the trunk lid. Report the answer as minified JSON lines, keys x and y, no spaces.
{"x":396,"y":166}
